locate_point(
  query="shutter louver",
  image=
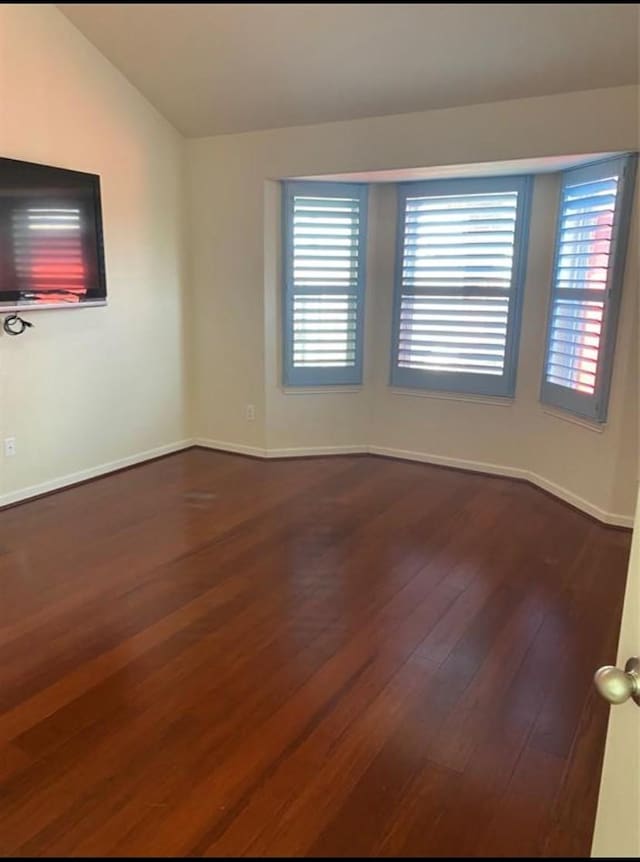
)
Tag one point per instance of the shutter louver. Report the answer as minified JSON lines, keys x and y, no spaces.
{"x":576,"y":327}
{"x":453,"y":334}
{"x":587,"y":228}
{"x":325,"y":280}
{"x":457,"y":280}
{"x":584,"y":248}
{"x":324,"y":283}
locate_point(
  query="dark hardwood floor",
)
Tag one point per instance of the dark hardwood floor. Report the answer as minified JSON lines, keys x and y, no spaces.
{"x":211,"y":655}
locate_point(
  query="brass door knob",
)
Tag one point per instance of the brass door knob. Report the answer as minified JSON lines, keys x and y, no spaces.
{"x":617,"y":685}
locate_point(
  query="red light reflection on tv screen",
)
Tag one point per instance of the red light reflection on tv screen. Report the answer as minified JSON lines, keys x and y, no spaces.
{"x":48,"y":253}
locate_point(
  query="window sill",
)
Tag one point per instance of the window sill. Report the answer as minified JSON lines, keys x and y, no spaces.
{"x":488,"y":400}
{"x":598,"y":427}
{"x":320,"y":390}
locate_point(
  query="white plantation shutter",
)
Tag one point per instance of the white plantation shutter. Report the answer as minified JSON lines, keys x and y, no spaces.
{"x":324,"y":273}
{"x":591,"y":241}
{"x":460,"y":268}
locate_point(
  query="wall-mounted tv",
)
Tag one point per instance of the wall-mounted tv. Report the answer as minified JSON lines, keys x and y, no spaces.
{"x":51,"y":248}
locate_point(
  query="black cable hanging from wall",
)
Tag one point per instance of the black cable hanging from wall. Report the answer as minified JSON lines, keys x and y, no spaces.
{"x":15,"y":325}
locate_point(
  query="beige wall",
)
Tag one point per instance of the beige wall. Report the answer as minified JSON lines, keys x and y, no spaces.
{"x":234,"y":209}
{"x":89,"y":387}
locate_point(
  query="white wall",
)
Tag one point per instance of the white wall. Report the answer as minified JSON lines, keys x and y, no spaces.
{"x":234,"y":251}
{"x":90,"y":387}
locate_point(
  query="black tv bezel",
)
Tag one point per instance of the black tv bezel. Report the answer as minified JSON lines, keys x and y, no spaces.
{"x":101,"y":300}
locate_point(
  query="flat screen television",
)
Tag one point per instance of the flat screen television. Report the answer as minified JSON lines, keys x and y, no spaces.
{"x":51,"y":247}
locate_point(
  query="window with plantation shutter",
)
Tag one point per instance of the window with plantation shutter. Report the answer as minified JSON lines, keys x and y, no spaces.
{"x":459,"y":276}
{"x":324,"y":230}
{"x":591,"y":240}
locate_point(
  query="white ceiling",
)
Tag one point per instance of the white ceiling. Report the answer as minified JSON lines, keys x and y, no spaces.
{"x":213,"y":68}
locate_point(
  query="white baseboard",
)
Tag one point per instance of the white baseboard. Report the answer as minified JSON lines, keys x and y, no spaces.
{"x":295,"y":452}
{"x":91,"y":473}
{"x":445,"y":461}
{"x":611,"y":518}
{"x":308,"y":451}
{"x":235,"y":448}
{"x":511,"y":473}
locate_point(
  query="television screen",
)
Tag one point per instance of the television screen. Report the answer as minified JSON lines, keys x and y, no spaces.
{"x":51,"y":249}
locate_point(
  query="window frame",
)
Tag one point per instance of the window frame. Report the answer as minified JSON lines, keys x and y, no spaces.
{"x":465,"y":383}
{"x":312,"y":377}
{"x":594,"y":407}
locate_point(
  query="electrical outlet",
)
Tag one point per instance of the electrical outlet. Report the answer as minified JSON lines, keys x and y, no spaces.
{"x":251,"y":412}
{"x":9,"y":447}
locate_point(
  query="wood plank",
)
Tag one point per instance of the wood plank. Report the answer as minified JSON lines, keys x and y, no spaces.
{"x":214,"y":655}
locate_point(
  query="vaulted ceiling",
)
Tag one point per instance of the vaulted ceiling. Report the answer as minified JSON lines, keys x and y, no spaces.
{"x":214,"y":68}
